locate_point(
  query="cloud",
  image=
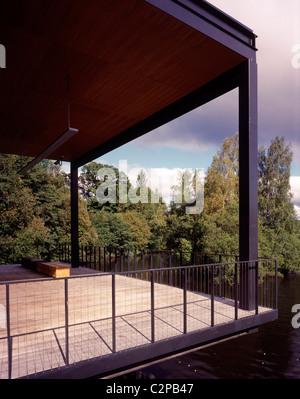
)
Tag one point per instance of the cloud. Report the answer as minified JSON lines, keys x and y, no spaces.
{"x":198,"y":130}
{"x":297,"y":209}
{"x":295,"y":189}
{"x":277,"y":24}
{"x":160,"y":180}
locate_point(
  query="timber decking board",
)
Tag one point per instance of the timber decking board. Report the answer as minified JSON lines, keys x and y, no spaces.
{"x":37,"y":315}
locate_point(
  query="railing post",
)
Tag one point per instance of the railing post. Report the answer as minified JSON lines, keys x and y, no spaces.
{"x":185,"y":301}
{"x":276,"y":284}
{"x":128,"y":262}
{"x":122,"y":260}
{"x":170,"y":265}
{"x":86,"y":257}
{"x":9,"y":346}
{"x":160,"y":266}
{"x":152,"y":308}
{"x":256,"y":287}
{"x":236,"y":291}
{"x":220,"y":276}
{"x":212,"y":294}
{"x":67,"y":321}
{"x":99,"y":254}
{"x":113,"y":290}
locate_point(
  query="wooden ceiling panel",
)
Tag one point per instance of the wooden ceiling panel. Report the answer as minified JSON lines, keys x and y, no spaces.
{"x":125,"y":58}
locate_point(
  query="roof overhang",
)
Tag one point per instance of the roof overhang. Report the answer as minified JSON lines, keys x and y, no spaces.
{"x":133,"y":65}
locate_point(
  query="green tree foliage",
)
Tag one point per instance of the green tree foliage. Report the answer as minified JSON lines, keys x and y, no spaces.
{"x":35,"y":211}
{"x":135,"y":223}
{"x":278,"y":223}
{"x":222,"y":180}
{"x":112,"y":230}
{"x":93,"y":177}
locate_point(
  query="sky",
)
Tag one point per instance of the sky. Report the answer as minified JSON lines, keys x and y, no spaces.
{"x":192,"y":140}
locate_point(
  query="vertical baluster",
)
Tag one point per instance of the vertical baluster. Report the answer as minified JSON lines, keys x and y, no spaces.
{"x":152,"y":309}
{"x":212,"y":296}
{"x":9,"y":343}
{"x":236,"y":291}
{"x":66,"y":321}
{"x":185,"y":300}
{"x":113,"y":289}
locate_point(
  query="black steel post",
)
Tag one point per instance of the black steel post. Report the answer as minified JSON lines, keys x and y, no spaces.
{"x":185,"y":301}
{"x":113,"y":290}
{"x":99,"y":255}
{"x":236,"y":291}
{"x":276,"y":284}
{"x":122,"y":260}
{"x":256,"y":287}
{"x":66,"y":322}
{"x":212,"y":296}
{"x":248,"y":191}
{"x":9,"y":343}
{"x":74,"y":217}
{"x":152,"y":308}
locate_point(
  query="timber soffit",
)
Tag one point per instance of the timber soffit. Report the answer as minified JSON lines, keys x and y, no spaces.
{"x":211,"y":21}
{"x":121,"y":79}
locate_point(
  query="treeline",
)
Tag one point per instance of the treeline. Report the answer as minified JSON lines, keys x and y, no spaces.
{"x":35,"y":209}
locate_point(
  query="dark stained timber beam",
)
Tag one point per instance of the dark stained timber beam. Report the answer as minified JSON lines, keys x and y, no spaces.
{"x":67,"y":135}
{"x":213,"y":89}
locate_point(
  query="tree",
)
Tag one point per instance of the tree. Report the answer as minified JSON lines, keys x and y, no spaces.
{"x":220,"y":232}
{"x":91,"y":180}
{"x":35,"y":210}
{"x":278,"y":223}
{"x":275,"y":205}
{"x":139,"y":227}
{"x":222,"y":180}
{"x":112,"y":230}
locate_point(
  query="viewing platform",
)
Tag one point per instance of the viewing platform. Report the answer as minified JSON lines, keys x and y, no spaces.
{"x":95,"y":323}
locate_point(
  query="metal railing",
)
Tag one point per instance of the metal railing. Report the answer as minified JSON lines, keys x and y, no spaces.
{"x":108,"y":259}
{"x":52,"y":323}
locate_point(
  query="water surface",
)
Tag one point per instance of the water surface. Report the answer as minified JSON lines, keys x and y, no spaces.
{"x":271,"y":353}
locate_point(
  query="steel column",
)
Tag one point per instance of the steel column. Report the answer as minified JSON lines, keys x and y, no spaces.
{"x":74,"y":217}
{"x":9,"y":339}
{"x":248,"y":191}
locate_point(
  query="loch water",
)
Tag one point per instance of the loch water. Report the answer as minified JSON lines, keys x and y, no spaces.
{"x":271,"y":353}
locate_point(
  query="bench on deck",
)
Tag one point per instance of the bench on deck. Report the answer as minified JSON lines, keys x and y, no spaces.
{"x":52,"y":269}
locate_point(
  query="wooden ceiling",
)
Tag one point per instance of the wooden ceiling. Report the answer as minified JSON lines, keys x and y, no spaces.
{"x":125,"y":59}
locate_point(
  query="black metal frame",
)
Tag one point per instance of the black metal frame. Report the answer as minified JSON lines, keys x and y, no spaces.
{"x":243,"y":77}
{"x":217,"y":25}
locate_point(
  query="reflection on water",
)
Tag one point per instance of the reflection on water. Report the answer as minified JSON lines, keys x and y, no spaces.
{"x":272,"y":352}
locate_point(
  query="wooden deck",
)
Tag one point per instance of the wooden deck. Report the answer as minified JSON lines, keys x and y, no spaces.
{"x":37,"y":317}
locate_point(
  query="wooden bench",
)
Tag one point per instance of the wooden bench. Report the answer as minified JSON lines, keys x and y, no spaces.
{"x":52,"y":269}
